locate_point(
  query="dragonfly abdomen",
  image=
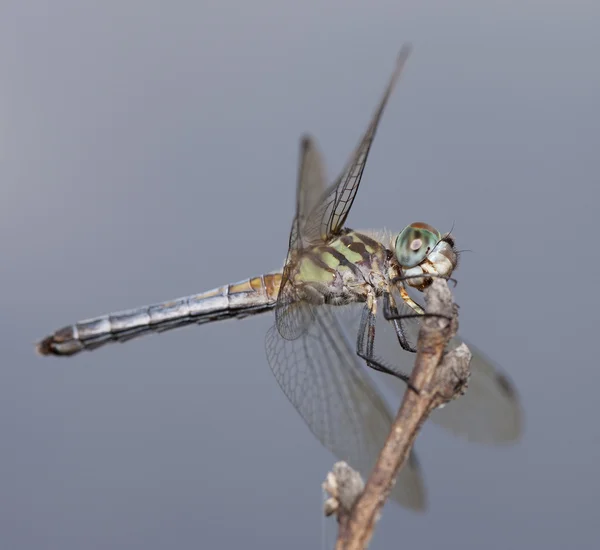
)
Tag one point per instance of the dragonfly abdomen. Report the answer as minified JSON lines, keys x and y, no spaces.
{"x":248,"y":297}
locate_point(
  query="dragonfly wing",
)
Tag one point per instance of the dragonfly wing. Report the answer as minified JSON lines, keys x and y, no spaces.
{"x":293,"y":316}
{"x":309,"y":190}
{"x":321,"y":213}
{"x":323,"y":378}
{"x":490,"y":411}
{"x":329,"y":217}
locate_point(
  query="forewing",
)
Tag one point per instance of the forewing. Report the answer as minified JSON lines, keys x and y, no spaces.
{"x":326,"y":383}
{"x":321,"y":213}
{"x":329,"y":217}
{"x":309,"y":190}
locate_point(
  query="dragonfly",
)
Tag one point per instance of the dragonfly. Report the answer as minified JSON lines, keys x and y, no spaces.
{"x":319,"y":364}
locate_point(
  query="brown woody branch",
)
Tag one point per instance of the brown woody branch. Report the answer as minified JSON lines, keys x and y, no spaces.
{"x":440,"y":377}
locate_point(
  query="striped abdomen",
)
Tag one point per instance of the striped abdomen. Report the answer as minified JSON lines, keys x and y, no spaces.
{"x":247,"y":297}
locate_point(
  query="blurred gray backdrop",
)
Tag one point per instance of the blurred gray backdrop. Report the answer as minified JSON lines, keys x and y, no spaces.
{"x":148,"y":150}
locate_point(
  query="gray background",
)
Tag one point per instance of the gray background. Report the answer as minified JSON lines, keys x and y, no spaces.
{"x":148,"y":151}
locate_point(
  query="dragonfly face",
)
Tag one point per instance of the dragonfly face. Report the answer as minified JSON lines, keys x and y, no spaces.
{"x":421,"y":249}
{"x":321,"y":371}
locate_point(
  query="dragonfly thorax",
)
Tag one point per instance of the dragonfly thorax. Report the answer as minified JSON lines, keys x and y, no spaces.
{"x":345,"y":270}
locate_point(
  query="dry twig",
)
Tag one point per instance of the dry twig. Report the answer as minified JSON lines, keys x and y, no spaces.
{"x":439,"y":377}
{"x":344,"y":485}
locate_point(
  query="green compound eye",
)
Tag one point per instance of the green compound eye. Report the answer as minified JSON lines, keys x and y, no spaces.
{"x":414,"y":243}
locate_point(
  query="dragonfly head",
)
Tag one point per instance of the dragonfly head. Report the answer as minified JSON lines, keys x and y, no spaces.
{"x":422,"y":249}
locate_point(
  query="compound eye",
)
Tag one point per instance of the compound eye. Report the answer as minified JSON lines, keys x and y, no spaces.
{"x":414,"y":243}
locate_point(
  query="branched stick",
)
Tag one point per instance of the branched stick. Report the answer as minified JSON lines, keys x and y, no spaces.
{"x":439,"y":377}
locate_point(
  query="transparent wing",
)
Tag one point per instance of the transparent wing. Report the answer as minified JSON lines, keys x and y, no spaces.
{"x":310,"y":187}
{"x":329,"y":217}
{"x":322,"y":213}
{"x":490,"y":411}
{"x":292,"y":315}
{"x":328,"y":386}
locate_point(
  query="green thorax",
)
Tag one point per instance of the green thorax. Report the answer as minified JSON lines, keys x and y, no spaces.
{"x":345,"y":253}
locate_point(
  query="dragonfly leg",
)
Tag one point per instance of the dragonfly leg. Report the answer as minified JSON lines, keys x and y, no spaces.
{"x":365,"y":345}
{"x":402,"y":278}
{"x":391,"y":313}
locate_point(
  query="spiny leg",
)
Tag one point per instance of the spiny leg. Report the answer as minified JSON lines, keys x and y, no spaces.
{"x":391,"y":313}
{"x":365,"y":344}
